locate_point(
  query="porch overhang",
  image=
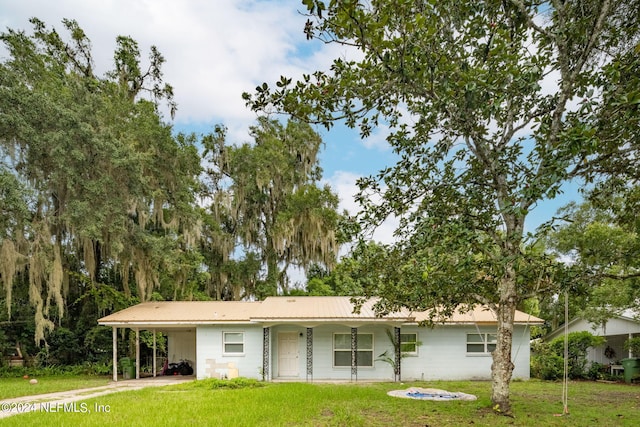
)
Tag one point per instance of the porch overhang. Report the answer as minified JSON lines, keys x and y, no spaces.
{"x":312,"y":323}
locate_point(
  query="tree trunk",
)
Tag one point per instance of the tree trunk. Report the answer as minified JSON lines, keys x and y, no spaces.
{"x":272,"y":274}
{"x":502,"y":366}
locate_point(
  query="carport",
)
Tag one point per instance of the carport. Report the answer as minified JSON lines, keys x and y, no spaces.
{"x":177,"y":323}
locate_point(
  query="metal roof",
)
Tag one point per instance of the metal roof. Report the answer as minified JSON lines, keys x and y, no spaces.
{"x":282,"y":309}
{"x":320,"y":308}
{"x":184,"y":312}
{"x":480,"y":315}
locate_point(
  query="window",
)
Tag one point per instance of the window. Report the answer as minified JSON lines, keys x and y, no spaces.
{"x":342,"y":350}
{"x":481,"y":343}
{"x":409,"y":344}
{"x":233,"y":343}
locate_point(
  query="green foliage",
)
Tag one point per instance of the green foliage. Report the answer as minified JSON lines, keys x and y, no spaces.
{"x":317,"y":286}
{"x":267,"y":200}
{"x":86,"y":368}
{"x":215,"y":384}
{"x":545,"y":364}
{"x":95,"y":188}
{"x":633,"y":344}
{"x":6,"y":346}
{"x":63,"y":347}
{"x":596,"y":371}
{"x":547,"y":361}
{"x":456,"y":83}
{"x":146,"y":338}
{"x":390,"y":357}
{"x":98,"y":342}
{"x":601,"y":239}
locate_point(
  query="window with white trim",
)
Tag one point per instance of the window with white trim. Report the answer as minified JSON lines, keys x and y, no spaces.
{"x":481,"y":343}
{"x":233,"y":343}
{"x":409,"y":344}
{"x":342,"y":350}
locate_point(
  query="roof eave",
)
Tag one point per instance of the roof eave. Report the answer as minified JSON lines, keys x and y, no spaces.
{"x":173,"y":323}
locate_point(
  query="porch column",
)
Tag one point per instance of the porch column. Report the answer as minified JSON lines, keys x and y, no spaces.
{"x":309,"y":354}
{"x":354,"y":353}
{"x":266,"y":339}
{"x":154,"y":353}
{"x":137,"y":353}
{"x":630,"y":353}
{"x":115,"y":353}
{"x":398,"y":355}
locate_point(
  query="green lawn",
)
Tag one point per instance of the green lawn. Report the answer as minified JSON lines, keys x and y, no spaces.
{"x":301,"y":404}
{"x":16,"y":387}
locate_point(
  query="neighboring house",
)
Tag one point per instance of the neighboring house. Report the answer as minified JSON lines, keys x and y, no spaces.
{"x":321,"y":338}
{"x":616,"y":331}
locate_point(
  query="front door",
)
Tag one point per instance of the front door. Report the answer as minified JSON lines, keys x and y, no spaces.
{"x":288,"y":354}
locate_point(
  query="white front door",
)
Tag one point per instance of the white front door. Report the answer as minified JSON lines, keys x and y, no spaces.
{"x":288,"y":354}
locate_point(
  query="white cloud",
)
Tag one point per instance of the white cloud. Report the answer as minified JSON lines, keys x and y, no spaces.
{"x":214,"y":50}
{"x":344,"y":184}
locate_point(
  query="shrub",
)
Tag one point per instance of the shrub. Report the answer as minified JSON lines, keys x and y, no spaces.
{"x":579,"y":343}
{"x":596,"y":371}
{"x":63,"y":347}
{"x":545,"y":364}
{"x":98,"y":344}
{"x":215,"y":383}
{"x":547,"y":360}
{"x":87,"y":368}
{"x":633,"y":344}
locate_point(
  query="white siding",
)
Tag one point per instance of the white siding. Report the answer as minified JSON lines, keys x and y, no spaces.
{"x":213,"y":363}
{"x":323,"y":368}
{"x":442,"y":354}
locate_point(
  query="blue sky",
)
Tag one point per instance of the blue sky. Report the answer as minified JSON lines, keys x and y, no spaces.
{"x":214,"y":51}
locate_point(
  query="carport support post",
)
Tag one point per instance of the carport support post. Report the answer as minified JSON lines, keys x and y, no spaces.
{"x":154,"y":353}
{"x":137,"y":353}
{"x":115,"y":353}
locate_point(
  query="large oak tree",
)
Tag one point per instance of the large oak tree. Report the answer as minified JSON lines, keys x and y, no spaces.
{"x":94,"y":175}
{"x":267,"y":200}
{"x":491,"y":110}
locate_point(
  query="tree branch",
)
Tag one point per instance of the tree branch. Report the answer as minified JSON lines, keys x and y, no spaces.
{"x":521,"y":7}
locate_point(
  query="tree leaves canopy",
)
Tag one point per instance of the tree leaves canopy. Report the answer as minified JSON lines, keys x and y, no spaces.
{"x":491,"y":108}
{"x":92,"y":171}
{"x":266,"y":197}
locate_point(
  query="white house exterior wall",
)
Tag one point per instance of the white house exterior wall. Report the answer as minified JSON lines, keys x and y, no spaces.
{"x":212,"y":362}
{"x":442,"y":355}
{"x":620,"y":327}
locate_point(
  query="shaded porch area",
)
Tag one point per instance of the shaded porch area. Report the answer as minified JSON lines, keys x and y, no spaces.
{"x":332,"y":353}
{"x":180,"y":346}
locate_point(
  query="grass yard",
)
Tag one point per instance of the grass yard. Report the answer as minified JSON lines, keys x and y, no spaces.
{"x":16,"y":387}
{"x":302,"y":404}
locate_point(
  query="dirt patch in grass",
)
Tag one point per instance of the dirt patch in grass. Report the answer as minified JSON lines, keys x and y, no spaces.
{"x":605,"y":398}
{"x":326,"y":412}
